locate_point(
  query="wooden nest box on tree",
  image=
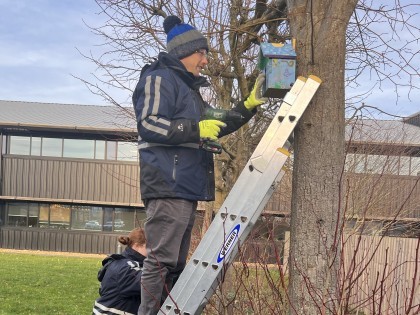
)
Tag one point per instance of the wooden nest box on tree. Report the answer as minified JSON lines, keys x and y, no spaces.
{"x":278,"y":62}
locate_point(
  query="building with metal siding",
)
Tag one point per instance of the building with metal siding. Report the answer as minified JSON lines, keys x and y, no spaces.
{"x":380,"y":183}
{"x":71,"y":181}
{"x":69,"y":176}
{"x":382,"y":174}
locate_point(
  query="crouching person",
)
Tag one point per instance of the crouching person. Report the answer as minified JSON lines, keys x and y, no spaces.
{"x":120,"y":277}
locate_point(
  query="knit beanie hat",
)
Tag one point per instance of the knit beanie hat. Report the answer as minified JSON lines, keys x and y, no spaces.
{"x":183,"y":39}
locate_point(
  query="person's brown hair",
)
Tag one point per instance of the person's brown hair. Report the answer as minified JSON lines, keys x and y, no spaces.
{"x":136,"y":236}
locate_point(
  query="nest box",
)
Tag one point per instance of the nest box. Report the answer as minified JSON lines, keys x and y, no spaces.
{"x":278,"y":62}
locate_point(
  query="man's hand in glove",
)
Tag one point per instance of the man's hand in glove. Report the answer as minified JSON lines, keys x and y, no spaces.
{"x":210,"y":128}
{"x":255,"y":98}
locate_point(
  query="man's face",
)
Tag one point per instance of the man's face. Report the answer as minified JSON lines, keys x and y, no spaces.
{"x":196,"y":62}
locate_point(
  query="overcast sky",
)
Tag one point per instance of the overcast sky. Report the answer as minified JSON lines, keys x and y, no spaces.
{"x":38,"y":55}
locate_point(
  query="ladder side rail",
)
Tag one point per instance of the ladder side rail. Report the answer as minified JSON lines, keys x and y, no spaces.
{"x":209,"y":277}
{"x":285,"y":106}
{"x":217,"y":231}
{"x":204,"y":268}
{"x":242,"y":240}
{"x":280,"y":137}
{"x":224,"y":222}
{"x":197,"y":280}
{"x":253,"y":199}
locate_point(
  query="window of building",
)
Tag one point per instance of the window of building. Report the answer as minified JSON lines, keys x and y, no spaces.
{"x":360,"y":163}
{"x":376,"y":164}
{"x":111,"y":150}
{"x":127,"y":151}
{"x":2,"y":214}
{"x":355,"y":163}
{"x":60,"y":216}
{"x":404,"y":168}
{"x":96,"y":216}
{"x":3,"y":144}
{"x":52,"y":147}
{"x":80,"y":215}
{"x":99,"y":149}
{"x":120,"y":219}
{"x":18,"y":214}
{"x":391,"y":165}
{"x":75,"y":217}
{"x":33,"y":215}
{"x":383,"y":164}
{"x":139,"y":217}
{"x":415,"y":166}
{"x":123,"y":219}
{"x":75,"y":148}
{"x":44,"y":215}
{"x":86,"y":218}
{"x":20,"y":145}
{"x":108,"y":219}
{"x":36,"y":146}
{"x":23,"y":214}
{"x":349,"y":163}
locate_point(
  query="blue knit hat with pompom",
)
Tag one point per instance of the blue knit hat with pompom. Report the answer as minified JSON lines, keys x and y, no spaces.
{"x":183,"y":39}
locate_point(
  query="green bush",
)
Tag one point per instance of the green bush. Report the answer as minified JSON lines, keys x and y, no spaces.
{"x":40,"y":284}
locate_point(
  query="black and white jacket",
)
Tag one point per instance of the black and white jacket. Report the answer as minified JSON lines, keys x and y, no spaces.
{"x":120,"y":284}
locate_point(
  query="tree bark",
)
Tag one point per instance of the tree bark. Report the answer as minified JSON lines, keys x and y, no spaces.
{"x":319,"y":29}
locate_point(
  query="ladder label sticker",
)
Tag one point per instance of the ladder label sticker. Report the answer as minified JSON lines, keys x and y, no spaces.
{"x":229,"y":243}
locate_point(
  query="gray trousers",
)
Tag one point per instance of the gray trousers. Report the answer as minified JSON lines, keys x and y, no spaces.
{"x":168,"y":230}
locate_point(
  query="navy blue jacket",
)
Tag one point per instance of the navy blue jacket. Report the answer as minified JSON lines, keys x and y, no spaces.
{"x":120,"y":283}
{"x":168,"y":107}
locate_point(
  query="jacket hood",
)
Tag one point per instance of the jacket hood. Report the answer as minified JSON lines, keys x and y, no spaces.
{"x":128,"y":253}
{"x":105,"y":264}
{"x":133,"y":255}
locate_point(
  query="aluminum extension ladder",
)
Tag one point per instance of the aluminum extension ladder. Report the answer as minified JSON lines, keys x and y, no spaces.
{"x":242,"y":207}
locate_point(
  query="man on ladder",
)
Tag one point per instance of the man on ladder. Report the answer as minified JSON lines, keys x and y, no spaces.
{"x":176,"y":162}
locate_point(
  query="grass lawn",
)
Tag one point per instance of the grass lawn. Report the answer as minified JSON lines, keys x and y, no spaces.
{"x":58,"y":284}
{"x":40,"y":284}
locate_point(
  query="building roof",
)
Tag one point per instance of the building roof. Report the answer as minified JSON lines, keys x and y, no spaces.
{"x":413,"y":119}
{"x":394,"y":132}
{"x":69,"y":117}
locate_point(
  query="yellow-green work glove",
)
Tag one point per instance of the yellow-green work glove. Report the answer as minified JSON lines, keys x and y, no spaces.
{"x":210,"y":128}
{"x":255,"y":98}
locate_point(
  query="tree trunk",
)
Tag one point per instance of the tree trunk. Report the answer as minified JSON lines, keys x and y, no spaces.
{"x":319,"y":29}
